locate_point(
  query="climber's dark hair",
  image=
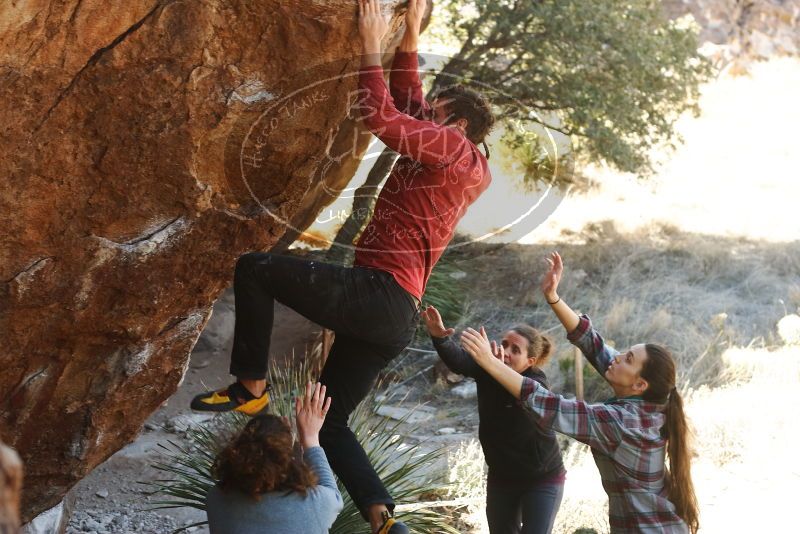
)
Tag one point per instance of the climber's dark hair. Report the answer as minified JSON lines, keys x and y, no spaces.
{"x":468,"y":104}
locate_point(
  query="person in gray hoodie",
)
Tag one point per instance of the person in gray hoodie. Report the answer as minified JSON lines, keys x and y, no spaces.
{"x":265,"y":486}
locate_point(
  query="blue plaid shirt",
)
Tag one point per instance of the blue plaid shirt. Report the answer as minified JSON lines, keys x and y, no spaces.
{"x":625,"y":439}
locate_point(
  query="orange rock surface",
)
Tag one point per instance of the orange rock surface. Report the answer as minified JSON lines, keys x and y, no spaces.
{"x":143,"y":148}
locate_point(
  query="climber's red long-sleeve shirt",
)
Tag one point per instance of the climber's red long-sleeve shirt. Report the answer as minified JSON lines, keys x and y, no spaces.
{"x":438,"y":175}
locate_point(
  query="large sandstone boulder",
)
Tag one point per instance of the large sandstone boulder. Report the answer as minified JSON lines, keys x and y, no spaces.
{"x":143,"y":148}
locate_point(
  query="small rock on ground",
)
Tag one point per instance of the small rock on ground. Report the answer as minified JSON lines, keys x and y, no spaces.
{"x":466,"y":390}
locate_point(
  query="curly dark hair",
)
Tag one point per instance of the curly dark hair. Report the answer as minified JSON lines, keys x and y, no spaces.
{"x":262,"y":458}
{"x":471,"y":105}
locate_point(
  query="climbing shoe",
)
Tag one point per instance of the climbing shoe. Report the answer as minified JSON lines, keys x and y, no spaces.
{"x":234,"y":398}
{"x":392,"y":526}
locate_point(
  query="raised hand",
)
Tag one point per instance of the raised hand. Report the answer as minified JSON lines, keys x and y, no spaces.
{"x":433,"y":320}
{"x":498,"y":350}
{"x":309,"y":412}
{"x":372,"y":25}
{"x":414,"y":14}
{"x":552,"y":277}
{"x":478,"y":346}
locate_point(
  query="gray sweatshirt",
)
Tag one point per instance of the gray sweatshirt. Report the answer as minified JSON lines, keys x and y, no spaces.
{"x":232,"y":512}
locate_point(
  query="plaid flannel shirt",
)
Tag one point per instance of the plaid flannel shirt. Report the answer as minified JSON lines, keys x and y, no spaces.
{"x":625,"y":439}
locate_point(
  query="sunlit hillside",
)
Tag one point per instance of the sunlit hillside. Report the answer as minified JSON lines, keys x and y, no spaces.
{"x":734,"y":177}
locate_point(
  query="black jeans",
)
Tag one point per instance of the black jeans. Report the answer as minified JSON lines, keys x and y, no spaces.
{"x":523,"y":510}
{"x":374,"y":319}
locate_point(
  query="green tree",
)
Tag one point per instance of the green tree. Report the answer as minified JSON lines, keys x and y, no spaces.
{"x":612,"y":76}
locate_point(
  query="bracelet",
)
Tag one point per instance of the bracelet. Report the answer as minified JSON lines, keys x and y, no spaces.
{"x":551,"y":303}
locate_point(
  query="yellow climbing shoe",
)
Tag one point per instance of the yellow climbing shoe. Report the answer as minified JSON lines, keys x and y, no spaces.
{"x":234,"y":398}
{"x":392,"y":526}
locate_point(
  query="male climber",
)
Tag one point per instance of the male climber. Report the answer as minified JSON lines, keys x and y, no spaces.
{"x":373,"y":307}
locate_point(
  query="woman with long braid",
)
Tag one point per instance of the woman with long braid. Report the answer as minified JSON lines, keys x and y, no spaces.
{"x":630,"y":435}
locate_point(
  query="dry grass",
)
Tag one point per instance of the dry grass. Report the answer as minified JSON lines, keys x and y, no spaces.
{"x":466,"y":476}
{"x":746,"y":443}
{"x":696,"y":294}
{"x":735,"y":174}
{"x":717,"y":303}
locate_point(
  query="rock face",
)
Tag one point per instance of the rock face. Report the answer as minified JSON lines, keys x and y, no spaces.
{"x":143,"y":148}
{"x":324,"y":191}
{"x":744,"y":30}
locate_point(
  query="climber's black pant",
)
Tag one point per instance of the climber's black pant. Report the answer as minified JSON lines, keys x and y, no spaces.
{"x":373,"y":318}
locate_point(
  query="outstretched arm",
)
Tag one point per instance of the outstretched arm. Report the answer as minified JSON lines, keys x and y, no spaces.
{"x":372,"y":26}
{"x":309,"y":413}
{"x":550,"y":283}
{"x":477,"y":345}
{"x":579,"y":327}
{"x":597,"y":425}
{"x":404,"y":83}
{"x":414,"y":14}
{"x":455,"y":357}
{"x":421,"y":140}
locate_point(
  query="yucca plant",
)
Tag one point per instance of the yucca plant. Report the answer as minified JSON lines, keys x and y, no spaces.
{"x":402,"y":467}
{"x":445,"y":292}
